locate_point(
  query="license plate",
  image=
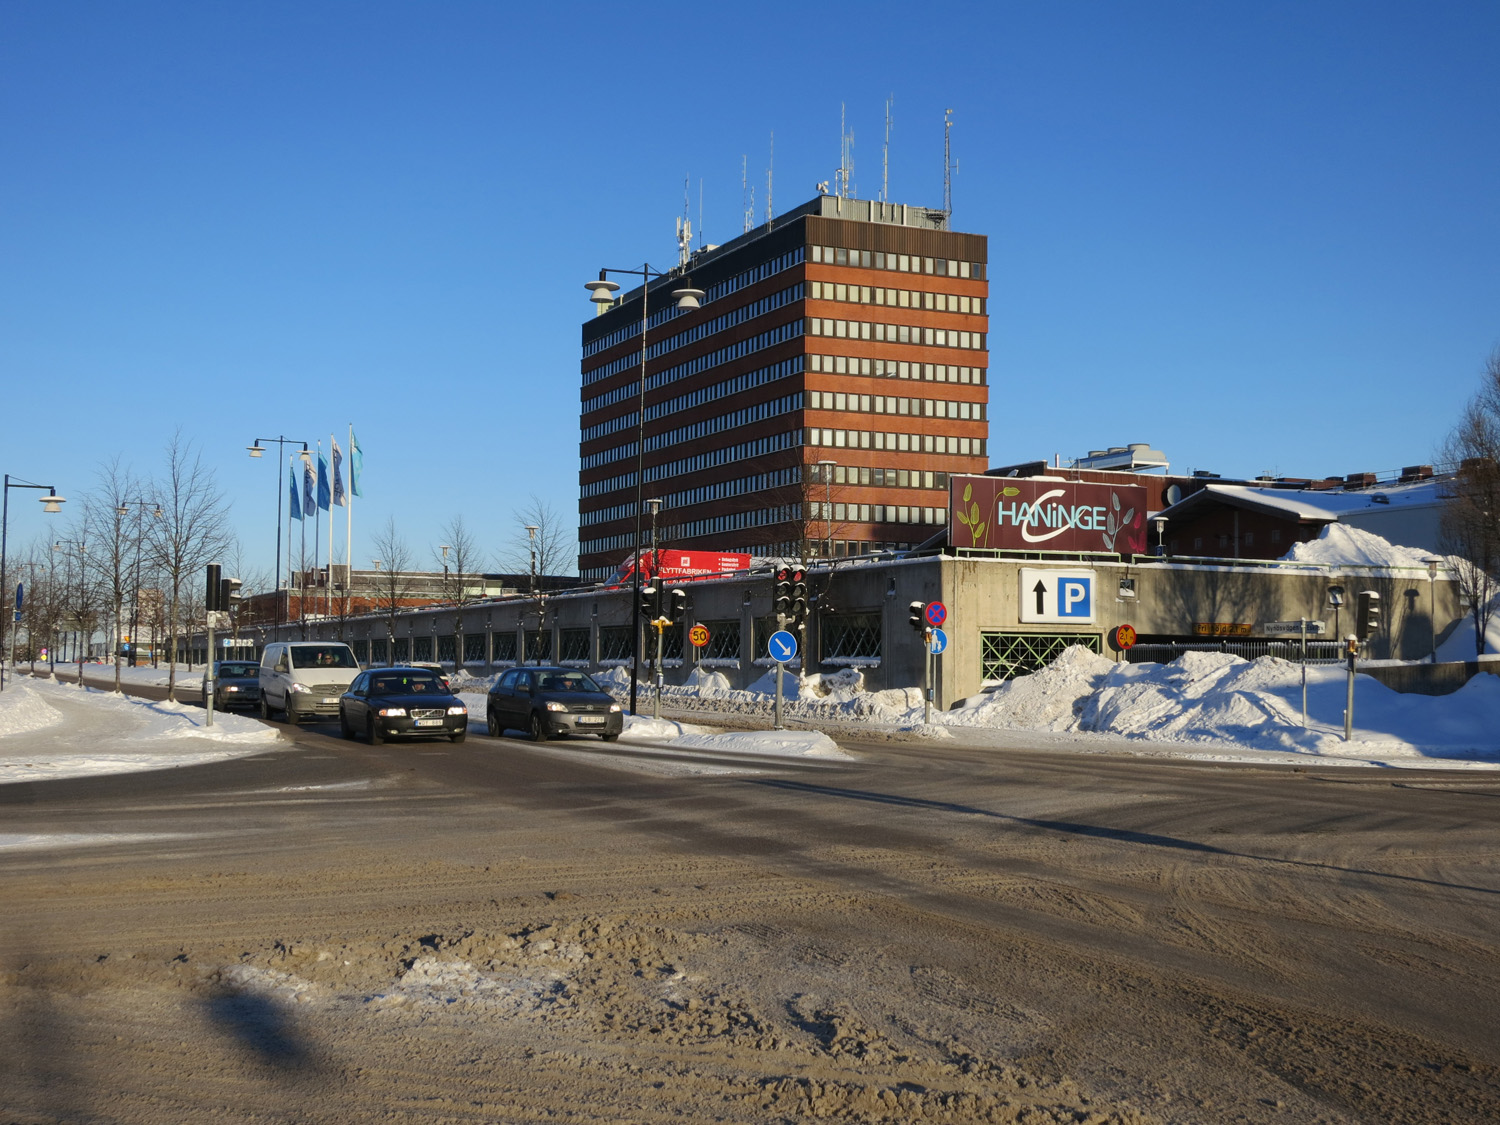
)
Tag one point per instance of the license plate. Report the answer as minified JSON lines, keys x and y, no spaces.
{"x":429,"y":722}
{"x":590,"y":721}
{"x":330,"y":699}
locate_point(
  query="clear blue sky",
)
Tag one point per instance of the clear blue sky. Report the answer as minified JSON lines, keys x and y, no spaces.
{"x":1261,"y":236}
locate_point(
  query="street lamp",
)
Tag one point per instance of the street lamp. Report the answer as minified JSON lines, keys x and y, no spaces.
{"x":51,"y":502}
{"x":601,"y":292}
{"x":445,"y":548}
{"x":1432,"y":569}
{"x":827,"y":467}
{"x":531,"y":530}
{"x":135,"y":597}
{"x":1161,"y":536}
{"x":80,"y":642}
{"x":258,"y":450}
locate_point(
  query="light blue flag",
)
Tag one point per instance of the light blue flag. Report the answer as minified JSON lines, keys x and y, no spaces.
{"x":324,"y":500}
{"x":309,"y":489}
{"x":356,"y":463}
{"x":296,"y":507}
{"x":338,"y":475}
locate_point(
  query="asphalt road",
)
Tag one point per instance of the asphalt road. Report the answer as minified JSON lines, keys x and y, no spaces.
{"x":1145,"y":940}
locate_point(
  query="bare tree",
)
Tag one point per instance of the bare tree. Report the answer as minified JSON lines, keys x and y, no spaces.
{"x":458,"y":555}
{"x":111,"y":531}
{"x":192,"y":532}
{"x":555,"y":543}
{"x":1471,"y":511}
{"x":392,"y":575}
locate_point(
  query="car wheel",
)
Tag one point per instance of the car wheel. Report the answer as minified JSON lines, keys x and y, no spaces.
{"x":495,"y":729}
{"x":459,"y":736}
{"x":610,"y":737}
{"x":538,"y":728}
{"x":265,"y":710}
{"x":373,"y":732}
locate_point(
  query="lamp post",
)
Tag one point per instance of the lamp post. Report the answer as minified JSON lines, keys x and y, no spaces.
{"x":51,"y":502}
{"x":601,"y":292}
{"x":258,"y":450}
{"x":827,"y":467}
{"x":1161,"y":536}
{"x":1432,"y":569}
{"x":80,"y":641}
{"x":655,"y":506}
{"x":445,"y":548}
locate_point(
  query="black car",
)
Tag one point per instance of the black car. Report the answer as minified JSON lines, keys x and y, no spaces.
{"x":236,"y":684}
{"x":550,"y":702}
{"x":401,"y":703}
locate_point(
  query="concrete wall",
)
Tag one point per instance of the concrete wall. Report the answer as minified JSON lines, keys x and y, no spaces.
{"x":981,"y":594}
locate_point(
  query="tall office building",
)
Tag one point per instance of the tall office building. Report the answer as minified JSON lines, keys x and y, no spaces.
{"x":817,"y":401}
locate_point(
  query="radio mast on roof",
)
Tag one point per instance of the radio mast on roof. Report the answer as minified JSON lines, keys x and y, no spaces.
{"x":885,"y":155}
{"x":947,"y":163}
{"x":770,"y":168}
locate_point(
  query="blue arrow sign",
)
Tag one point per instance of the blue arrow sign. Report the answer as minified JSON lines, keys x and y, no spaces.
{"x":782,"y":646}
{"x":937,"y":640}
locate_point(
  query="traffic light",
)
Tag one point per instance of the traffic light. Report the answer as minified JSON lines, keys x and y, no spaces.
{"x":781,"y":601}
{"x":648,"y":602}
{"x":799,"y":594}
{"x":211,"y":592}
{"x":916,"y":616}
{"x":1367,"y":617}
{"x":677,"y":604}
{"x":229,"y":593}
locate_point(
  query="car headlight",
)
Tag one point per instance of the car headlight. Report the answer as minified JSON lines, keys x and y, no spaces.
{"x":301,"y":689}
{"x":392,"y":712}
{"x":557,"y":706}
{"x":231,"y":687}
{"x":614,"y":707}
{"x":459,"y":710}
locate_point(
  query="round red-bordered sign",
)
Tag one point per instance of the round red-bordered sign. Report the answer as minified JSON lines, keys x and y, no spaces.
{"x":1124,"y":637}
{"x":698,"y":634}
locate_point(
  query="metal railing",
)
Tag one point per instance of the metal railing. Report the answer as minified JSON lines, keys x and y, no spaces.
{"x":1318,"y":652}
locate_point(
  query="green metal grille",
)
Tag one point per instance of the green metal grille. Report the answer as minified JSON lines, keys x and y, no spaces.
{"x":575,"y":644}
{"x":614,"y":642}
{"x":1007,"y":655}
{"x":851,"y":635}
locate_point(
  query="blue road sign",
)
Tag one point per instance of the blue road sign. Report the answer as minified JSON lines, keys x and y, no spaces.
{"x":936,"y":613}
{"x":782,"y":646}
{"x":1074,"y":598}
{"x":937,"y":640}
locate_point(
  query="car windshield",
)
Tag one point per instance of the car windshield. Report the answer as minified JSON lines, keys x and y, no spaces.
{"x":239,"y":670}
{"x":566,"y":681}
{"x":323,"y":656}
{"x":406,"y":683}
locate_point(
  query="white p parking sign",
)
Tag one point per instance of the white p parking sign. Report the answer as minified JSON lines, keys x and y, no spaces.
{"x":1058,"y":597}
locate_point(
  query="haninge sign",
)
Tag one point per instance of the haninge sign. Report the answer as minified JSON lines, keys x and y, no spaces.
{"x":1021,"y":514}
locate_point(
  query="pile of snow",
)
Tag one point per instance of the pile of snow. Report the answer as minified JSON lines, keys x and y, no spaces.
{"x":1343,"y":545}
{"x":23,"y":708}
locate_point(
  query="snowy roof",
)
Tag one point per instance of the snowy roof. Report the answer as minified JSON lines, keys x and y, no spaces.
{"x":1311,"y":505}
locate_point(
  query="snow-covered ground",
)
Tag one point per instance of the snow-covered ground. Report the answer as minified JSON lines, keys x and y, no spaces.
{"x":51,"y":730}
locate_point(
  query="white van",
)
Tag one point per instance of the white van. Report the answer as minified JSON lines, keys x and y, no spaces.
{"x":305,"y":678}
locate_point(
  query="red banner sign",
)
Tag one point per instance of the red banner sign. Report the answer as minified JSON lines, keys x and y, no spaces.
{"x":1029,"y":514}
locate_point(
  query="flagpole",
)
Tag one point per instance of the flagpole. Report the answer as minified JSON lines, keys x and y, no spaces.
{"x":330,"y":540}
{"x":349,"y":526}
{"x":296,"y":484}
{"x":302,"y":561}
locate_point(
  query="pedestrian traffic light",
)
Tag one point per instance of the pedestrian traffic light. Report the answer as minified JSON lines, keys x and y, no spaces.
{"x":211,"y":592}
{"x":916,"y":616}
{"x":781,"y":601}
{"x":648,"y":602}
{"x":799,"y":594}
{"x":677,"y":604}
{"x":1367,"y":616}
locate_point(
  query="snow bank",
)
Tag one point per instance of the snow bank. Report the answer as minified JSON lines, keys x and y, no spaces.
{"x":1343,"y":545}
{"x":23,"y":709}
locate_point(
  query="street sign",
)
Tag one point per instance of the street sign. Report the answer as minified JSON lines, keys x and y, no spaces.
{"x":698,"y":634}
{"x":1063,"y":597}
{"x":936,"y":613}
{"x":1124,"y":637}
{"x":782,"y":646}
{"x":937,"y":640}
{"x":1291,"y":628}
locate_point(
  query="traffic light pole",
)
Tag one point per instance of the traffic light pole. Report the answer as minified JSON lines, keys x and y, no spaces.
{"x":1353,"y":647}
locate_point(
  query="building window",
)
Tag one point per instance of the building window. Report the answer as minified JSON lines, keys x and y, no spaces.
{"x":850,"y":637}
{"x":575,"y":645}
{"x":505,"y":648}
{"x":723,"y":641}
{"x":615,"y":642}
{"x":473,"y":648}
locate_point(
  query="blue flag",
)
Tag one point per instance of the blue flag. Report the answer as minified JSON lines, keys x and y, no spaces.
{"x":338,"y":475}
{"x":324,"y":500}
{"x":356,"y":463}
{"x":309,"y":489}
{"x":296,"y":507}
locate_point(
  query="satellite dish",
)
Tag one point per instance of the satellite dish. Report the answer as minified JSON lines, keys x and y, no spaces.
{"x":1174,"y":494}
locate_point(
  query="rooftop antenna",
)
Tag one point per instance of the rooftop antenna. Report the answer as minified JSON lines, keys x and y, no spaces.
{"x":685,"y":226}
{"x":704,"y":242}
{"x":846,"y":155}
{"x":947,"y":164}
{"x":885,"y":155}
{"x":770,"y":168}
{"x":747,"y":200}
